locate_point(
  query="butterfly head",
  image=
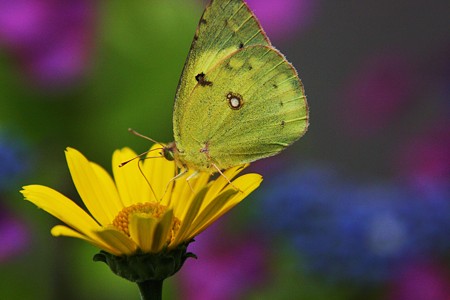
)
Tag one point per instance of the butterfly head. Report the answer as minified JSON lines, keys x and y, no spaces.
{"x":169,"y":151}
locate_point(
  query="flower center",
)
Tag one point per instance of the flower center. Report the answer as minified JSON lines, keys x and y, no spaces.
{"x":154,"y":209}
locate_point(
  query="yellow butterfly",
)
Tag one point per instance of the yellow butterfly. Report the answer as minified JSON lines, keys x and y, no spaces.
{"x":238,"y":99}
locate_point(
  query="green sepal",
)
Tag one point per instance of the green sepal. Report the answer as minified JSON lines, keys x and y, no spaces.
{"x":142,"y":267}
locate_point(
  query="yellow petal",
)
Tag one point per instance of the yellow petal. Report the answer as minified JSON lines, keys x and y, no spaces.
{"x":214,"y":210}
{"x":222,"y":181}
{"x":182,"y":196}
{"x":198,"y":181}
{"x":150,"y":233}
{"x":60,"y":207}
{"x":142,"y":227}
{"x":92,"y":189}
{"x":160,"y":172}
{"x":130,"y":182}
{"x":187,"y":218}
{"x":162,"y":231}
{"x":185,"y":189}
{"x":225,"y":201}
{"x":112,"y":204}
{"x":61,"y":230}
{"x":246,"y":183}
{"x":117,"y":240}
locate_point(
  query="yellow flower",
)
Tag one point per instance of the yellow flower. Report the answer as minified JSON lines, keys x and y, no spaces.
{"x":143,"y":210}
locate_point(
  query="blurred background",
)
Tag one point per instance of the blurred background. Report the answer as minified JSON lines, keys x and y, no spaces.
{"x":356,"y":209}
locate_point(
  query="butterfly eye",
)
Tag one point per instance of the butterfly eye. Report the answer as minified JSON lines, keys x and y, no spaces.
{"x":235,"y":100}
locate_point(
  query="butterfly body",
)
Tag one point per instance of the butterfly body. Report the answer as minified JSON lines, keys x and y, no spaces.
{"x":238,"y":99}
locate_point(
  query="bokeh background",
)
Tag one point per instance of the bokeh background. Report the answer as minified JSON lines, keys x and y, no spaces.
{"x":357,"y":209}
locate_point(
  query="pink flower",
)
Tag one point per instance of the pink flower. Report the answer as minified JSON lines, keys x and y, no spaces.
{"x":424,"y":160}
{"x":51,"y":40}
{"x":376,"y":94}
{"x":14,"y":237}
{"x":227,"y":266}
{"x":282,"y":18}
{"x":421,"y":281}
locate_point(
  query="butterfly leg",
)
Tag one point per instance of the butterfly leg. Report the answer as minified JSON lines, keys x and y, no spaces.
{"x":189,"y":178}
{"x":181,"y":174}
{"x":226,"y":178}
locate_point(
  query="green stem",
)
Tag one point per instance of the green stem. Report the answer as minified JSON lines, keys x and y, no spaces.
{"x":151,"y":289}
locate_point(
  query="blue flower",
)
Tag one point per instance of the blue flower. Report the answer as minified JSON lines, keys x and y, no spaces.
{"x":13,"y":161}
{"x":348,"y":231}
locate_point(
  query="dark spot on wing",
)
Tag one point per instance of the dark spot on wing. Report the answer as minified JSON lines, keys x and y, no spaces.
{"x":283,"y":123}
{"x":275,"y":86}
{"x":241,"y":45}
{"x":281,"y":103}
{"x":203,"y":21}
{"x":202,"y":80}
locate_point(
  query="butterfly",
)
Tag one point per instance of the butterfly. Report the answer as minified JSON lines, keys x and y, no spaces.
{"x":238,"y":98}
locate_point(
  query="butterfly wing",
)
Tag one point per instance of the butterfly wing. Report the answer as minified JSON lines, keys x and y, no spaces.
{"x":238,"y":99}
{"x":254,"y":108}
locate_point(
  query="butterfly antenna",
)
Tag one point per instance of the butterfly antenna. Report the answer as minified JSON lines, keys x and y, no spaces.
{"x":134,"y":132}
{"x":139,"y":156}
{"x":146,"y":179}
{"x":130,"y":160}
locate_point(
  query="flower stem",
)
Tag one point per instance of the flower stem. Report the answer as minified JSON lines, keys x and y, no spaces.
{"x":151,"y":289}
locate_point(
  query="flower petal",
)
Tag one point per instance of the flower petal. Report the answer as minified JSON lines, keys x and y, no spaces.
{"x":117,"y":240}
{"x":188,"y":217}
{"x":60,"y":207}
{"x":222,"y":181}
{"x":112,"y":203}
{"x":130,"y":182}
{"x":142,"y":227}
{"x":93,"y":191}
{"x":61,"y":230}
{"x":214,"y":210}
{"x":150,"y":233}
{"x":160,"y":173}
{"x":197,"y":181}
{"x":224,"y":202}
{"x":162,"y":231}
{"x":185,"y":189}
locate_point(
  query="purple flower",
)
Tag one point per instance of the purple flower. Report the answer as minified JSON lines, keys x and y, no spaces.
{"x":14,"y":236}
{"x":424,"y":161}
{"x":227,"y":266}
{"x":51,"y":40}
{"x":421,"y":280}
{"x":377,"y":93}
{"x":14,"y":162}
{"x":282,"y":18}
